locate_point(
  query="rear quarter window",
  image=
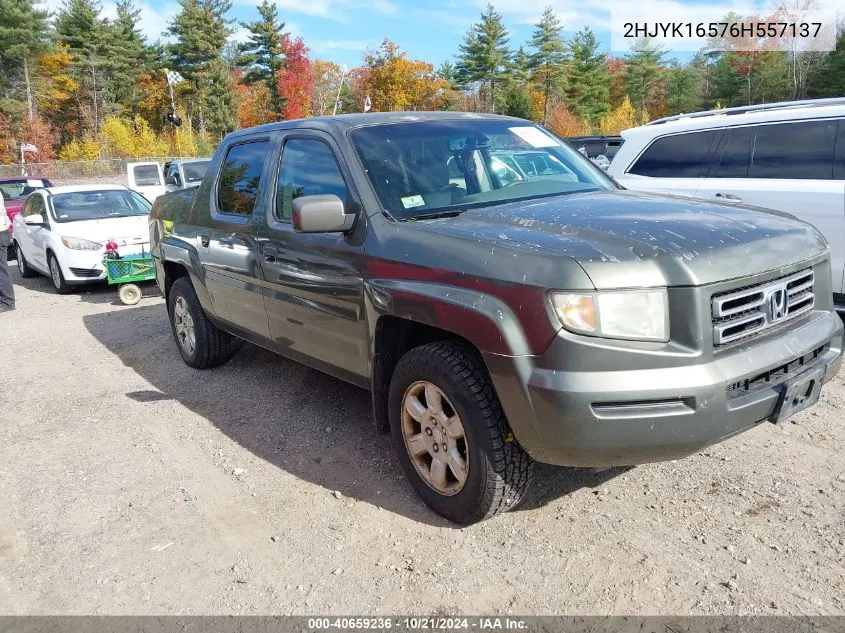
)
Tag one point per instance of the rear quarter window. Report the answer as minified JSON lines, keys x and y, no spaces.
{"x":677,"y":156}
{"x":794,"y":151}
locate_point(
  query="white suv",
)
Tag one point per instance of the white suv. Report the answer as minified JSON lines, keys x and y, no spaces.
{"x":784,"y":156}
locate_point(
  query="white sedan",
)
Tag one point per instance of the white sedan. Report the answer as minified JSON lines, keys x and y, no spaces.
{"x":62,"y":232}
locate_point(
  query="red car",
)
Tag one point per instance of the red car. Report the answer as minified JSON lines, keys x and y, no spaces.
{"x":15,"y":190}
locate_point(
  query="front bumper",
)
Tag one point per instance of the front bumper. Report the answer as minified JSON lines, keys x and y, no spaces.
{"x":632,"y":416}
{"x":80,"y":267}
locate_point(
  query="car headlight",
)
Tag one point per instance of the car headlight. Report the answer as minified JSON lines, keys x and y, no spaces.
{"x":641,"y":315}
{"x":78,"y":244}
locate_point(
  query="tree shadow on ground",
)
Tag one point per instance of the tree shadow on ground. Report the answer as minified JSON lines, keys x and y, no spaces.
{"x":311,"y":425}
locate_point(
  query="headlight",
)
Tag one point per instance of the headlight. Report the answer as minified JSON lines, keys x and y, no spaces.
{"x":78,"y":244}
{"x":627,"y":314}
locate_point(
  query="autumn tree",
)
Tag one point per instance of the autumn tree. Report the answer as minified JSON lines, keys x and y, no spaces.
{"x":621,"y":118}
{"x":296,"y":80}
{"x":547,"y":62}
{"x":56,"y":88}
{"x":484,"y":53}
{"x":563,"y":122}
{"x":327,"y":84}
{"x":395,"y":83}
{"x":262,"y":56}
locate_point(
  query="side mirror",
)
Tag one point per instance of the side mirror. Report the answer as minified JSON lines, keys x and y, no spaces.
{"x":171,"y":180}
{"x":34,"y":220}
{"x":321,"y":214}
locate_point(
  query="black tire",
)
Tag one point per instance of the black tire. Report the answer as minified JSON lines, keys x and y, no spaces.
{"x":213,"y":346}
{"x":500,"y":471}
{"x":23,"y":268}
{"x":57,"y":276}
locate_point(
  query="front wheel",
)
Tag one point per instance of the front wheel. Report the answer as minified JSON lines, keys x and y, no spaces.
{"x":201,"y":344}
{"x":129,"y":294}
{"x":451,"y":434}
{"x":57,"y":276}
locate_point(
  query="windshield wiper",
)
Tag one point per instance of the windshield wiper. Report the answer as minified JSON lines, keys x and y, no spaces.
{"x":433,"y":216}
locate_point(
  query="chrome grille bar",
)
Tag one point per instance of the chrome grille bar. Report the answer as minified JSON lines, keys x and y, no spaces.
{"x":748,"y":311}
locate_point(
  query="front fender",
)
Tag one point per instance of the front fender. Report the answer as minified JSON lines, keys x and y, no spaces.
{"x":483,"y":319}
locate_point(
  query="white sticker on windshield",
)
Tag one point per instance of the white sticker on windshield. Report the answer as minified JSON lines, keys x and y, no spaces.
{"x":35,"y":183}
{"x":409,"y":202}
{"x":534,"y":137}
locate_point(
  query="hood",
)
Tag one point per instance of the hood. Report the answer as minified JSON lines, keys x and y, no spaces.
{"x":124,"y":231}
{"x":625,"y":239}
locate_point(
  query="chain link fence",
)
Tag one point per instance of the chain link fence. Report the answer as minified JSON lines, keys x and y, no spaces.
{"x":111,"y":170}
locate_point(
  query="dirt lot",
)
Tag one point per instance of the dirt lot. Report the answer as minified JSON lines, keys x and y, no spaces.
{"x":132,"y":484}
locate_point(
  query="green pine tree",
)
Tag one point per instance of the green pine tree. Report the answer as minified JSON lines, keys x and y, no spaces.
{"x":644,"y":73}
{"x":23,"y":33}
{"x":131,"y":56}
{"x":516,"y":102}
{"x":548,"y":61}
{"x":484,"y":54}
{"x":588,"y":90}
{"x":201,"y":30}
{"x":262,"y":56}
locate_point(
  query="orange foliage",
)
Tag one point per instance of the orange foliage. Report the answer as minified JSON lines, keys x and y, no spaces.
{"x":563,"y":122}
{"x":39,"y":133}
{"x":296,"y":81}
{"x":155,"y":99}
{"x":616,"y":70}
{"x":253,"y":103}
{"x":396,"y":83}
{"x":7,"y":146}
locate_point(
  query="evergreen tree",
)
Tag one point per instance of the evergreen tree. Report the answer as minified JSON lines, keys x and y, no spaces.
{"x":91,"y":43}
{"x":484,"y":54}
{"x":549,"y":57}
{"x":446,"y":72}
{"x":644,"y":74}
{"x":516,"y":102}
{"x":830,"y":82}
{"x":201,"y":30}
{"x":131,"y":56}
{"x":588,"y":90}
{"x":23,"y":32}
{"x":262,"y":56}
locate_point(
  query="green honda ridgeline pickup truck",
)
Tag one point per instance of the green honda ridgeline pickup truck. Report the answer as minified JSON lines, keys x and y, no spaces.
{"x":503,"y":299}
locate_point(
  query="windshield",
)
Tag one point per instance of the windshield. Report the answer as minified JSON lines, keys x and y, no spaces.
{"x":146,"y":175}
{"x":195,"y":172}
{"x":20,"y":189}
{"x":97,"y":205}
{"x":433,"y":167}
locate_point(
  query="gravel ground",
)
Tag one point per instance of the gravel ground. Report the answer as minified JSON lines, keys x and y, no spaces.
{"x":131,"y":484}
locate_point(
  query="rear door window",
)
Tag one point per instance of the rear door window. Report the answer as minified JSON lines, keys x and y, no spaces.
{"x":240,"y":177}
{"x":677,"y":156}
{"x":794,"y":151}
{"x":839,"y":159}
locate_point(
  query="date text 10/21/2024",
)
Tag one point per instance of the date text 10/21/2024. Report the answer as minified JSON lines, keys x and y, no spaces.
{"x":418,"y":623}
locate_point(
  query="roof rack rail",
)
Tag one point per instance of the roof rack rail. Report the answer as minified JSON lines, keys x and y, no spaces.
{"x":806,"y":103}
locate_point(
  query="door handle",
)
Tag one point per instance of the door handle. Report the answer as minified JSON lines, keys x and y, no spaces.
{"x":270,"y":255}
{"x":728,"y":197}
{"x":205,"y":241}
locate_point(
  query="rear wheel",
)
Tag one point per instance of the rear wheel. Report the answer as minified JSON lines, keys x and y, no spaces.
{"x":57,"y":276}
{"x":451,"y":434}
{"x":201,"y":344}
{"x":23,"y":268}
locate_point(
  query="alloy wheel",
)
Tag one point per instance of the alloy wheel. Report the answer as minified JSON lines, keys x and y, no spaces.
{"x":435,"y":438}
{"x":183,"y":322}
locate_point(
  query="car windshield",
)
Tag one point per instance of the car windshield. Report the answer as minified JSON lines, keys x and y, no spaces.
{"x":97,"y":205}
{"x":20,"y":189}
{"x":433,"y":167}
{"x":195,"y":172}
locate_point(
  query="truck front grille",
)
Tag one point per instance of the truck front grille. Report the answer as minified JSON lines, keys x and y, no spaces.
{"x":738,"y":314}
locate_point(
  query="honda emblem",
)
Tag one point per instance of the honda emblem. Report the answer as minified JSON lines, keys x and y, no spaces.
{"x":776,"y":304}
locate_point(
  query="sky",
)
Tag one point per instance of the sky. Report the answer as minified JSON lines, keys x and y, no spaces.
{"x":342,"y":30}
